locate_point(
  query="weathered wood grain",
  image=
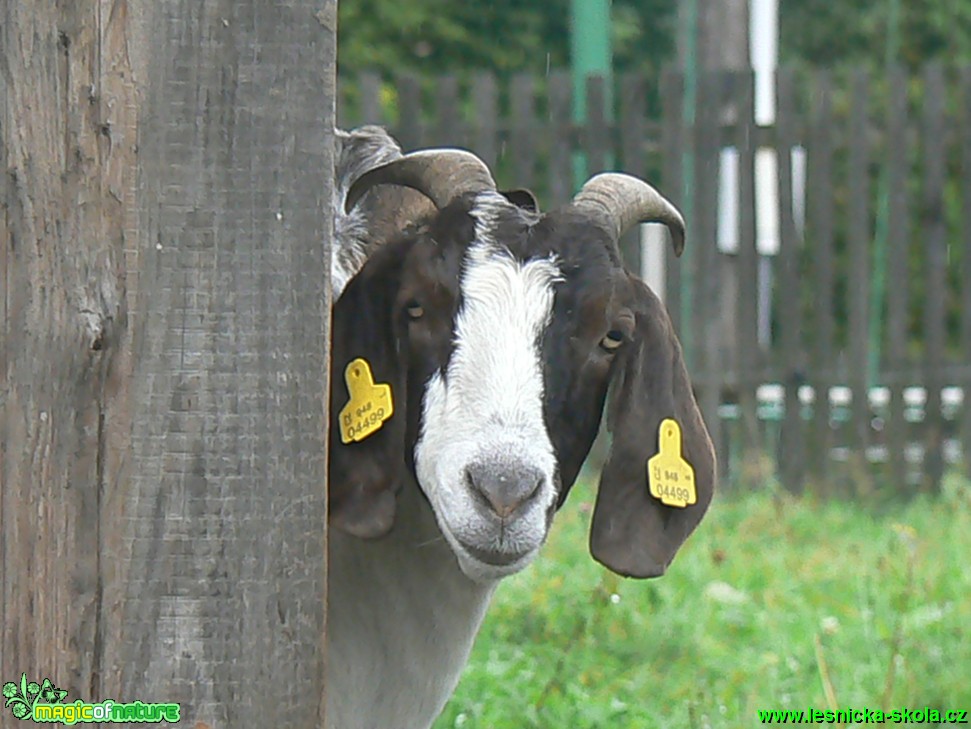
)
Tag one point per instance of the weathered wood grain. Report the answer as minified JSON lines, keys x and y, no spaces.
{"x":166,"y":205}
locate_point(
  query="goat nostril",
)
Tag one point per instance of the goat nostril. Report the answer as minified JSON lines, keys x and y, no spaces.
{"x":503,"y":489}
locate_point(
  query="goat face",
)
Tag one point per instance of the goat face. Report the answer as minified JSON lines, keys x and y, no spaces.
{"x":500,"y":332}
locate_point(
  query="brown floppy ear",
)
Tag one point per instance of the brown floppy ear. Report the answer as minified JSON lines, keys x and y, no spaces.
{"x":365,"y":475}
{"x":634,"y":534}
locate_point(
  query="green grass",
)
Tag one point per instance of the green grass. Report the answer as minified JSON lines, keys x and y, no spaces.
{"x":768,"y":596}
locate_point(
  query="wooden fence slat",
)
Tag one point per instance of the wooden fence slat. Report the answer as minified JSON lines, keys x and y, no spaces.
{"x":633,"y":124}
{"x":934,"y":244}
{"x":672,"y":91}
{"x":371,"y":107}
{"x":898,"y":277}
{"x":632,"y":133}
{"x":450,"y":129}
{"x":858,"y":258}
{"x":791,"y":456}
{"x":560,"y":178}
{"x":523,"y":137}
{"x":750,"y":360}
{"x":596,"y":136}
{"x":410,"y":129}
{"x":820,"y":205}
{"x":485,"y":99}
{"x":966,"y":268}
{"x":705,"y":317}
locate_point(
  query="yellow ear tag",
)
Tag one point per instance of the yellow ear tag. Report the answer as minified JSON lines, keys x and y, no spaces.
{"x":370,"y":405}
{"x":671,"y":478}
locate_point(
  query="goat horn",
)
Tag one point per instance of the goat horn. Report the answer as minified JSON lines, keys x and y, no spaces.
{"x":439,"y":174}
{"x":617,"y":201}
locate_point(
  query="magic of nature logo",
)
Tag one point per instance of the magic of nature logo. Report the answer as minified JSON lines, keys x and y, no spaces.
{"x":44,"y":703}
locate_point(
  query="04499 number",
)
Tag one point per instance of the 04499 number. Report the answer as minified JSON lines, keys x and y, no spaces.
{"x":673,"y":492}
{"x":363,"y":420}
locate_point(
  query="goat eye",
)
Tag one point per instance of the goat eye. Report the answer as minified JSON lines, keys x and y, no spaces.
{"x":414,"y":309}
{"x":613,"y":340}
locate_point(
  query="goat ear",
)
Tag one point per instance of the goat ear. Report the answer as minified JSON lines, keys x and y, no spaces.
{"x":522,"y":198}
{"x":634,"y":534}
{"x":365,"y":475}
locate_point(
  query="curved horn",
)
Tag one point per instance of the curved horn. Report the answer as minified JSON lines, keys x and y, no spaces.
{"x":618,"y":201}
{"x":439,"y":174}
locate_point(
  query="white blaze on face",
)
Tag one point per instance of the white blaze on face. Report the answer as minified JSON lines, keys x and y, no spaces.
{"x":488,"y":406}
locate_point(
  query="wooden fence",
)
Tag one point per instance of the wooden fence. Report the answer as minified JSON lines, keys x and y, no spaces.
{"x":841,"y":356}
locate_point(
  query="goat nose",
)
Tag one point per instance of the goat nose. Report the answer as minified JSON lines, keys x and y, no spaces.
{"x":505,"y":489}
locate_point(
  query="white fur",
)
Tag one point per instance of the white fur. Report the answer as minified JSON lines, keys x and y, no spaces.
{"x":355,"y":153}
{"x":489,"y":405}
{"x":401,"y":620}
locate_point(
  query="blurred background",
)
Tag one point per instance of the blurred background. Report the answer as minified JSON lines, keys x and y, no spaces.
{"x":821,"y":154}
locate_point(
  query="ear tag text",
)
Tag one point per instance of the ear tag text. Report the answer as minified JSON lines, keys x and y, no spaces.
{"x":670,"y":477}
{"x":369,"y":405}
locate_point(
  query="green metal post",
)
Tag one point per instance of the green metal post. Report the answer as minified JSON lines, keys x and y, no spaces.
{"x":590,"y":55}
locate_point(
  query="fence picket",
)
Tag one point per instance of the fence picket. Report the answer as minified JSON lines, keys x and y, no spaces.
{"x":965,"y":247}
{"x":560,"y":172}
{"x":935,"y":250}
{"x":371,"y":110}
{"x":822,"y":242}
{"x":672,"y":91}
{"x":859,"y":235}
{"x":485,"y":103}
{"x":410,"y":129}
{"x":596,"y":136}
{"x":450,"y":129}
{"x":705,"y":259}
{"x":523,"y":137}
{"x":633,"y":134}
{"x":791,"y":455}
{"x":898,"y":278}
{"x":749,"y":357}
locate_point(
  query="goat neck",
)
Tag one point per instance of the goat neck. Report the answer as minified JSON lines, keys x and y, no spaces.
{"x":400,"y":623}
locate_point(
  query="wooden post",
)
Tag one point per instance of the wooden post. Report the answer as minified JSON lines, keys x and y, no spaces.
{"x":164,"y":242}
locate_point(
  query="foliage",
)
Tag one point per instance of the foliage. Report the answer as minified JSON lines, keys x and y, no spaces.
{"x":854,"y":32}
{"x":733,"y":627}
{"x":506,"y":37}
{"x":502,"y":36}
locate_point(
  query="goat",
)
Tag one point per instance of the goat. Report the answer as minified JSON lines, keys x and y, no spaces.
{"x":501,"y":334}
